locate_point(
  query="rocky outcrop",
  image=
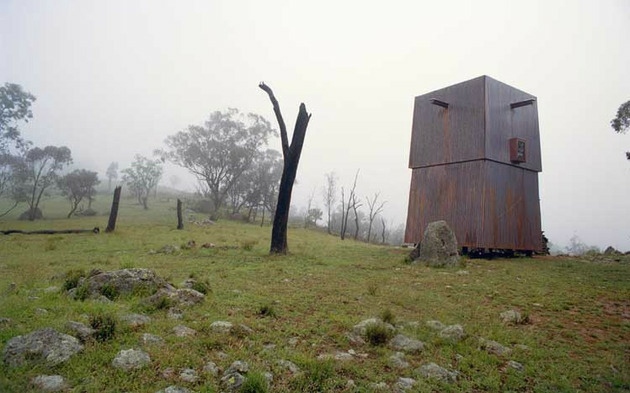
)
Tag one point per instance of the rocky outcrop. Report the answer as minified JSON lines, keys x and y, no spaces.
{"x":46,"y":344}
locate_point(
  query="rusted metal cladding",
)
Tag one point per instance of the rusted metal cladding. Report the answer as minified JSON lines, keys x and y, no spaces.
{"x":475,"y":154}
{"x":487,"y":204}
{"x":504,"y":123}
{"x":442,"y":136}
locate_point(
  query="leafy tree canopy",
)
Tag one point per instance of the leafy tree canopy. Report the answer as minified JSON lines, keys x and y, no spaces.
{"x":77,"y":186}
{"x":220,"y":151}
{"x":621,"y":122}
{"x":142,"y":177}
{"x":15,"y":106}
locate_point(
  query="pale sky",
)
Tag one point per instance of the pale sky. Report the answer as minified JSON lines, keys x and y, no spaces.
{"x":114,"y":78}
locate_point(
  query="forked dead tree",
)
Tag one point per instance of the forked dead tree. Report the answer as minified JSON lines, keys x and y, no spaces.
{"x":291,"y":154}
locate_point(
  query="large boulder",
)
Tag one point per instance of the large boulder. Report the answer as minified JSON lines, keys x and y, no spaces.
{"x":126,"y":282}
{"x":46,"y":344}
{"x":438,"y":248}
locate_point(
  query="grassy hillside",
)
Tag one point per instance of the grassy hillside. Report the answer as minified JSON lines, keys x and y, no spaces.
{"x":303,"y":305}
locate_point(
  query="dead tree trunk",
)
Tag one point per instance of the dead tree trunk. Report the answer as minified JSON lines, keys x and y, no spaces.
{"x":113,"y":214}
{"x":291,"y":154}
{"x":180,"y":220}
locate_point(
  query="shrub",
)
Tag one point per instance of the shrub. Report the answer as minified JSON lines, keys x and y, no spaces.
{"x":254,"y":383}
{"x":378,"y":334}
{"x":82,"y":292}
{"x":267,"y":310}
{"x":388,"y":316}
{"x":202,"y":286}
{"x":72,"y":279}
{"x":110,"y":291}
{"x":105,"y":326}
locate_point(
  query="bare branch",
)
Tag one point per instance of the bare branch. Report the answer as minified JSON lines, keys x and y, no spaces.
{"x":283,"y":128}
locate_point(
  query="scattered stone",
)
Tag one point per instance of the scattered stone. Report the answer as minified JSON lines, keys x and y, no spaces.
{"x":293,"y":341}
{"x":135,"y":320}
{"x":268,"y":377}
{"x":211,"y":368}
{"x":207,"y":245}
{"x":47,"y":344}
{"x":438,"y":247}
{"x":522,"y":347}
{"x":174,"y":389}
{"x":433,"y":371}
{"x":511,"y":316}
{"x":222,"y":355}
{"x":188,"y":375}
{"x":175,"y":313}
{"x":378,"y":387}
{"x":406,"y":344}
{"x":245,"y":330}
{"x":343,"y":356}
{"x":5,"y":321}
{"x":269,"y":347}
{"x":404,"y":384}
{"x":233,"y":377}
{"x":41,"y":311}
{"x":350,"y":384}
{"x":50,"y":383}
{"x":12,"y":288}
{"x":462,"y":272}
{"x":168,"y":373}
{"x":80,"y":331}
{"x":52,"y":289}
{"x":494,"y":347}
{"x":221,"y":326}
{"x":453,"y":332}
{"x":360,"y":329}
{"x":232,"y":382}
{"x":397,"y":360}
{"x":131,"y":359}
{"x":238,"y":366}
{"x":184,"y":331}
{"x":187,"y":297}
{"x":286,"y":364}
{"x":103,"y":299}
{"x":149,"y":339}
{"x":435,"y":325}
{"x":516,"y":365}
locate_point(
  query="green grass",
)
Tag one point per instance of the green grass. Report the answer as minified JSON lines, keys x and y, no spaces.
{"x":577,"y":338}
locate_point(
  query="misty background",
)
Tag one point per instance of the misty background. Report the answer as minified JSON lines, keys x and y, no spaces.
{"x":115,"y":78}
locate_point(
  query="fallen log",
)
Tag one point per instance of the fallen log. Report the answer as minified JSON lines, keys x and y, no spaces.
{"x":95,"y":230}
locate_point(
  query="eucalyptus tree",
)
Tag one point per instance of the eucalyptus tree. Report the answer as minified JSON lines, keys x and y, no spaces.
{"x":219,"y":151}
{"x":36,"y":172}
{"x":77,"y":186}
{"x":143,"y":177}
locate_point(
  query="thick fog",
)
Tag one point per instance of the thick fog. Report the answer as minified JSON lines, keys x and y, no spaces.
{"x":114,"y":78}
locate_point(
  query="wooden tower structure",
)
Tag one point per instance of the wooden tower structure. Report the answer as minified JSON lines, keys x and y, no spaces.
{"x":475,"y":156}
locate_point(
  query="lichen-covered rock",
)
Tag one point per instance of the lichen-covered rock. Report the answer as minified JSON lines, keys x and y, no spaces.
{"x":511,"y":316}
{"x":131,"y":359}
{"x":435,"y":325}
{"x":221,"y":326}
{"x":46,"y":344}
{"x":453,"y":333}
{"x":438,"y":247}
{"x":360,"y":329}
{"x":125,"y":282}
{"x":188,"y":375}
{"x":433,"y":371}
{"x":50,"y":383}
{"x":80,"y":331}
{"x":404,"y":384}
{"x":397,"y":360}
{"x":135,"y":320}
{"x":493,"y":347}
{"x":151,"y":339}
{"x":184,"y":331}
{"x":406,"y":344}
